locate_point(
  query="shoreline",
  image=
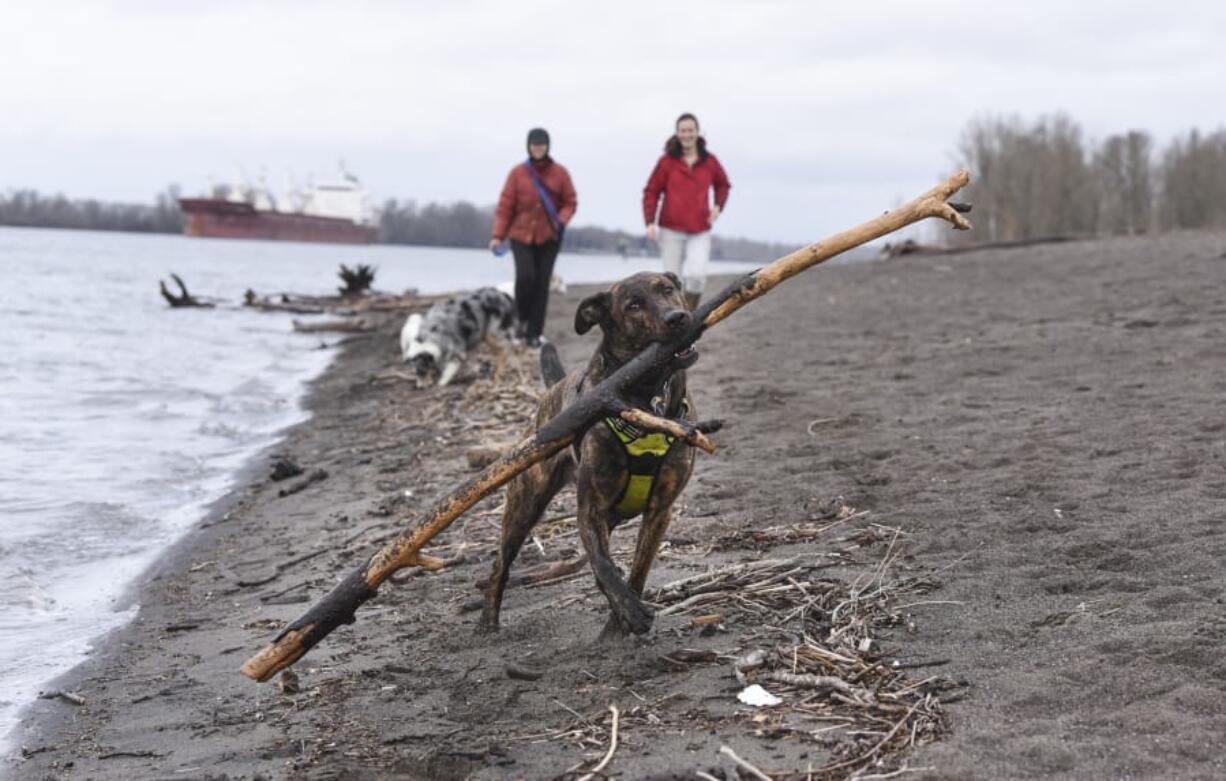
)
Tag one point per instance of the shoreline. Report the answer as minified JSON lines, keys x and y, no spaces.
{"x":1038,"y":424}
{"x":170,"y":561}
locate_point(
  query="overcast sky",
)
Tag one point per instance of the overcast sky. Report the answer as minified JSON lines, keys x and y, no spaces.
{"x":823,"y":113}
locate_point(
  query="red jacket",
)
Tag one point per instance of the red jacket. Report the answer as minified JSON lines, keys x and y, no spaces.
{"x":520,"y":213}
{"x":685,"y":193}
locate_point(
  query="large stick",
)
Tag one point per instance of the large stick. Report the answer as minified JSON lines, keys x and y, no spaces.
{"x":658,"y":360}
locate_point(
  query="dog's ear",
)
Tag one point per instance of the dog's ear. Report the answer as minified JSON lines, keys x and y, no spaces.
{"x":593,"y":310}
{"x":676,"y":280}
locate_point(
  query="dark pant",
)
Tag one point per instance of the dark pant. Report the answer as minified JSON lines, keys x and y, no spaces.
{"x":533,"y":270}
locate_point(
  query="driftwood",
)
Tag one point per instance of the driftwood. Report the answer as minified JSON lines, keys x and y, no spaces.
{"x":287,"y":303}
{"x":659,"y":360}
{"x":283,"y":468}
{"x":542,"y":574}
{"x":358,"y":326}
{"x":184,"y":299}
{"x":315,"y":476}
{"x":409,"y":301}
{"x":357,"y":279}
{"x":1013,"y":244}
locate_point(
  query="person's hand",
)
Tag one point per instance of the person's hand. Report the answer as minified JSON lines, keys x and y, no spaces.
{"x":653,"y":235}
{"x":713,"y":215}
{"x":495,"y":245}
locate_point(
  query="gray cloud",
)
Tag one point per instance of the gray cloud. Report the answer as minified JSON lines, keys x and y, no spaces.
{"x":823,"y":114}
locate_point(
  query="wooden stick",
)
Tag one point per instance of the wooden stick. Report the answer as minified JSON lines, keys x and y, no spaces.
{"x":691,"y":435}
{"x":338,"y":605}
{"x":753,"y":771}
{"x":612,"y":747}
{"x":933,"y":203}
{"x":659,"y":360}
{"x":360,"y":325}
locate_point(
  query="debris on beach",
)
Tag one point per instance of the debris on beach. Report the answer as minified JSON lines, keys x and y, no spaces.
{"x":357,"y":326}
{"x":62,"y":694}
{"x":288,"y":682}
{"x":283,"y":468}
{"x":758,"y":697}
{"x":313,"y":477}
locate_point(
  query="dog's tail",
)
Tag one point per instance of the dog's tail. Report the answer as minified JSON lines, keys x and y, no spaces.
{"x":551,"y":365}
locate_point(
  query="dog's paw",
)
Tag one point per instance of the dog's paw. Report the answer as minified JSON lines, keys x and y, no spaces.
{"x":616,"y":631}
{"x":632,"y":618}
{"x":613,"y":630}
{"x":486,"y":627}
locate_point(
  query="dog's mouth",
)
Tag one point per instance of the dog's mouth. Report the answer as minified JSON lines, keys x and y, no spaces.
{"x":422,"y":365}
{"x":686,"y":357}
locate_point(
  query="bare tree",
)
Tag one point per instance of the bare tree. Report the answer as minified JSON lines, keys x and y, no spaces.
{"x":1193,"y":175}
{"x":1041,"y":179}
{"x":1138,"y":165}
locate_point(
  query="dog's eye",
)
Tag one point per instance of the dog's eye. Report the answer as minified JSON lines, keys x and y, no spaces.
{"x":633,"y":306}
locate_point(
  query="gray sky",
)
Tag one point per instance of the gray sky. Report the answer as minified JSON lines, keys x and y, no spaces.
{"x":823,"y":113}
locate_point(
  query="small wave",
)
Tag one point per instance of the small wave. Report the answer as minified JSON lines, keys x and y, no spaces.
{"x":19,"y":591}
{"x":225,"y":431}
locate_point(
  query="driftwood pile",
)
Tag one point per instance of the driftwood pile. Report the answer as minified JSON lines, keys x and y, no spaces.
{"x":821,"y":652}
{"x":354,"y":299}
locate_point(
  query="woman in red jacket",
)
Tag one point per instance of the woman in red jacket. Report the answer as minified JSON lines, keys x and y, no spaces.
{"x":537,"y":202}
{"x":685,"y":176}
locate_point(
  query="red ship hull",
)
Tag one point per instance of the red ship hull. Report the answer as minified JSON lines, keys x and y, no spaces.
{"x":221,"y":219}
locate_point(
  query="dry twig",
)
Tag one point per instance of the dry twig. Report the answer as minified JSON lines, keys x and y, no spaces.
{"x":612,"y":747}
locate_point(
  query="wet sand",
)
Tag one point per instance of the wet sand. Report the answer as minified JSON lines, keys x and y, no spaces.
{"x":1043,"y":425}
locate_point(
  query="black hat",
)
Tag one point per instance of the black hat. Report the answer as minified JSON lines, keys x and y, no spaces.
{"x":538,"y":135}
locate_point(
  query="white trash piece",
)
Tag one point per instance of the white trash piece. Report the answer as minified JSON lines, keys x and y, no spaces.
{"x":758,"y":697}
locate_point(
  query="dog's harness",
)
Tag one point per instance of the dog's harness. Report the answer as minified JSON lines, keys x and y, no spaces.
{"x":645,"y":452}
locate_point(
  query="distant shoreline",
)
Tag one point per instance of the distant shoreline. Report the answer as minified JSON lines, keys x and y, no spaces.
{"x":583,"y":250}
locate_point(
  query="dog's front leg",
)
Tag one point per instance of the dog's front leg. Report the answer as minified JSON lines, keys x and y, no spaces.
{"x":528,"y":494}
{"x":449,"y":372}
{"x":629,"y":612}
{"x":500,"y":356}
{"x":651,"y":535}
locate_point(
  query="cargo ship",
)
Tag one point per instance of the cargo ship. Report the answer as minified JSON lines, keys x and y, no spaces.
{"x":337,"y":211}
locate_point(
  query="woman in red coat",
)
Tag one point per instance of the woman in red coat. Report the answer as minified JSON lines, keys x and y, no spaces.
{"x":684,"y":177}
{"x":537,"y":202}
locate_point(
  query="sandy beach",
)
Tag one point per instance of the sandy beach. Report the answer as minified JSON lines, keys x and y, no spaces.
{"x":1035,"y":434}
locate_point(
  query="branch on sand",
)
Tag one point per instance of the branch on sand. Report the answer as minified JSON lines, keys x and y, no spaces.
{"x":359,"y":326}
{"x":606,"y":399}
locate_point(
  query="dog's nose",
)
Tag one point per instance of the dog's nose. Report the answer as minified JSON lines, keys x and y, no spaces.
{"x":678,"y":318}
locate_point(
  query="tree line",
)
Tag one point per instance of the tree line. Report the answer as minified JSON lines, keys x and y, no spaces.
{"x":28,"y":208}
{"x":459,"y":224}
{"x":1044,"y":178}
{"x":462,"y":224}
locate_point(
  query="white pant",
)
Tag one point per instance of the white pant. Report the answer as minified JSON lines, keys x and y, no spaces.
{"x":686,"y":255}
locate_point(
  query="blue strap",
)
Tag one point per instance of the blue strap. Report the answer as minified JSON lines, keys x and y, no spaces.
{"x":546,"y":200}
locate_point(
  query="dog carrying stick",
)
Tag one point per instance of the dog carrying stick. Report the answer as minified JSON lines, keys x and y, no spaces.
{"x":339,"y":605}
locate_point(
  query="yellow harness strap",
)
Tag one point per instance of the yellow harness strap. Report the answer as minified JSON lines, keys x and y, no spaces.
{"x":645,"y":451}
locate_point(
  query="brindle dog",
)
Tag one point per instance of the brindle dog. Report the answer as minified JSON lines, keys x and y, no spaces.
{"x":639,"y":310}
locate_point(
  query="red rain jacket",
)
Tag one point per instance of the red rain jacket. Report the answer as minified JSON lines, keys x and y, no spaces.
{"x":520,"y":213}
{"x":685,"y":193}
